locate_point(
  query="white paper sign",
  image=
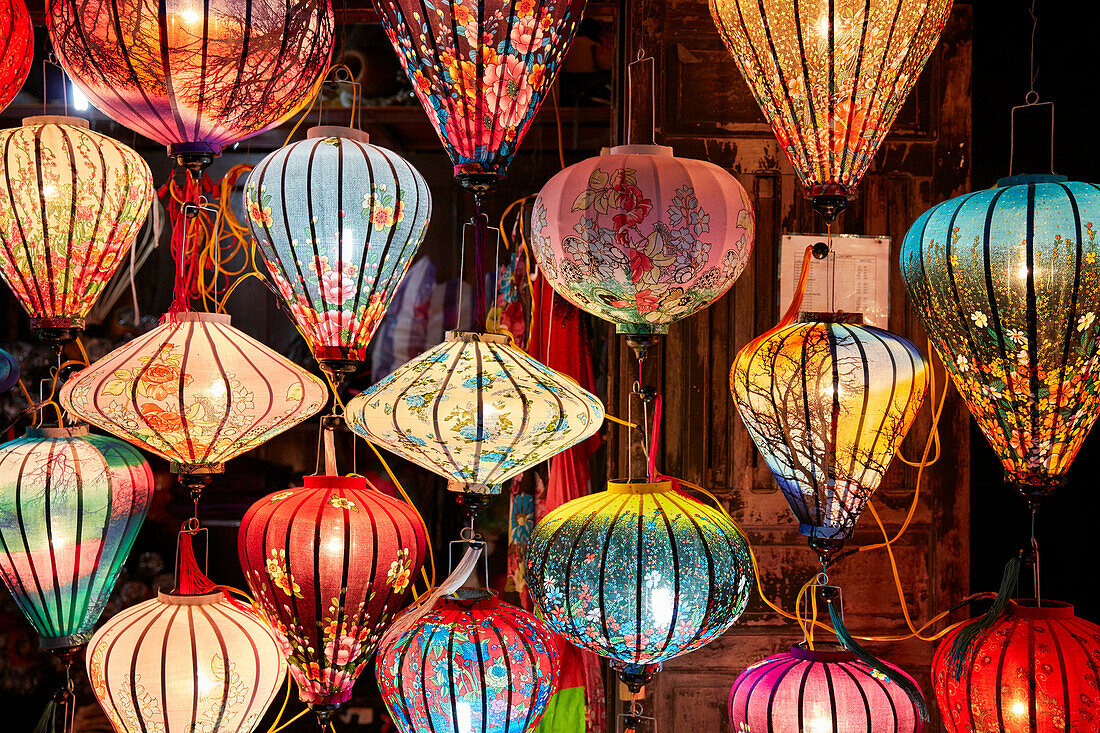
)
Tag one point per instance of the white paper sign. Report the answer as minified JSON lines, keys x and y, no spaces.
{"x":854,"y":278}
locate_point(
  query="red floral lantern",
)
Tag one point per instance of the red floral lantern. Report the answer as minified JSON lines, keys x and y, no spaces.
{"x":330,"y":564}
{"x":1036,"y":670}
{"x":16,"y":48}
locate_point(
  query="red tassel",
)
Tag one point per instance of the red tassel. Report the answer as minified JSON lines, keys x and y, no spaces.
{"x":192,"y":580}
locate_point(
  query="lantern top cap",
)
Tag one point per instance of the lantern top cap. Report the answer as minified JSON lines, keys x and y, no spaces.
{"x":1027,"y":608}
{"x":56,"y":120}
{"x":75,"y":431}
{"x":637,"y":486}
{"x":335,"y":482}
{"x":472,"y":336}
{"x":195,"y":317}
{"x":827,"y":652}
{"x":828,"y":317}
{"x":1026,"y":178}
{"x":326,"y":131}
{"x":662,"y":151}
{"x":180,"y":599}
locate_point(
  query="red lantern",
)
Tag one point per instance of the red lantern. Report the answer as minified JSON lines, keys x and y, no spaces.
{"x":1034,"y":671}
{"x":16,"y":48}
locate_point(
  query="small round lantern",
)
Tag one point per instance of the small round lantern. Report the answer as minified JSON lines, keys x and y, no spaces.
{"x":72,"y":504}
{"x":823,"y":690}
{"x":640,"y":237}
{"x":472,"y":663}
{"x":9,"y":371}
{"x":16,"y":48}
{"x":330,"y":564}
{"x":1036,"y":670}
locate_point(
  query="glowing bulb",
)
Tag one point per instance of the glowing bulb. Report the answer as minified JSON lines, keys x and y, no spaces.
{"x":823,"y":26}
{"x":217,"y":388}
{"x":80,"y":102}
{"x":465,"y":718}
{"x":660,"y":605}
{"x":1019,"y":708}
{"x":334,"y":546}
{"x":190,"y":16}
{"x":49,"y":190}
{"x":820,"y":725}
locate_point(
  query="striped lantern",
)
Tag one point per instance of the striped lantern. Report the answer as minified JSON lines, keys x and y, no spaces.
{"x":475,"y":410}
{"x":1007,"y":283}
{"x":338,"y":222}
{"x":71,"y":203}
{"x":16,"y":48}
{"x":194,"y":391}
{"x":823,"y":690}
{"x":827,"y":401}
{"x":71,"y":505}
{"x":330,"y":564}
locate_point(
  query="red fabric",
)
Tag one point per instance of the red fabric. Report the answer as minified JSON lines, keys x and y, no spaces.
{"x":16,"y":48}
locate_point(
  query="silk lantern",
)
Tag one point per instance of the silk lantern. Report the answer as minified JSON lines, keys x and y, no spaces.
{"x":827,"y":401}
{"x":823,"y":690}
{"x":475,"y":410}
{"x":640,"y":237}
{"x":1035,"y":671}
{"x":472,"y":663}
{"x":830,"y":77}
{"x":194,"y":76}
{"x":639,"y":573}
{"x":330,"y":564}
{"x":1007,"y":283}
{"x":71,"y":203}
{"x":16,"y":48}
{"x":9,"y":371}
{"x":338,"y":221}
{"x":194,"y":391}
{"x":72,"y":504}
{"x":481,"y":69}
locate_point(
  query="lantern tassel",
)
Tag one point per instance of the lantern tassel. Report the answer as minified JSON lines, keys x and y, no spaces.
{"x":964,"y":643}
{"x":832,"y":598}
{"x":48,"y":722}
{"x":192,"y":580}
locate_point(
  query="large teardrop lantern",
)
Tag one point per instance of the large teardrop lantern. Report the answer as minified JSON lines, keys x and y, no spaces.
{"x":330,"y":564}
{"x":475,"y":410}
{"x":480,"y":69}
{"x":71,"y":203}
{"x":71,"y":505}
{"x":639,"y":573}
{"x":195,"y":76}
{"x":338,"y":221}
{"x":830,"y":77}
{"x":1007,"y":284}
{"x":472,"y":663}
{"x":16,"y":48}
{"x":827,"y":401}
{"x":641,"y":238}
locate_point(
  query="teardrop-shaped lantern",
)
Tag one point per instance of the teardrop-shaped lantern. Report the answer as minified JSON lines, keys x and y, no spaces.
{"x":480,"y":69}
{"x":338,"y":221}
{"x":472,"y":663}
{"x":830,"y":77}
{"x":640,"y":237}
{"x":475,"y":410}
{"x":16,"y":48}
{"x":330,"y":564}
{"x":71,"y":203}
{"x":71,"y":505}
{"x":639,"y":573}
{"x":1007,"y":284}
{"x":827,"y":401}
{"x":194,"y":76}
{"x":194,"y":391}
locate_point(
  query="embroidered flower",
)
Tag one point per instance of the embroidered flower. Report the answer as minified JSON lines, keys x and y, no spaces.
{"x":280,"y":576}
{"x":341,"y":503}
{"x":1085,"y":321}
{"x":160,"y":419}
{"x":343,"y":650}
{"x":400,"y":571}
{"x":962,"y":363}
{"x":981,"y":320}
{"x":280,"y":496}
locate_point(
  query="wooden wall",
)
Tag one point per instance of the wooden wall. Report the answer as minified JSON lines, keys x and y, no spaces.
{"x":704,"y":110}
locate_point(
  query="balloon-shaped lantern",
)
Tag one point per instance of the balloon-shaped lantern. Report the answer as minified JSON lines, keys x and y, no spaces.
{"x":194,"y":391}
{"x":480,"y":69}
{"x":71,"y":505}
{"x":639,"y":573}
{"x":472,"y":663}
{"x":9,"y":371}
{"x":1036,"y":670}
{"x":71,"y":203}
{"x":1007,"y":284}
{"x":194,"y":76}
{"x":830,"y":77}
{"x":827,"y":401}
{"x":475,"y":410}
{"x":16,"y":48}
{"x":338,"y":221}
{"x":823,"y":690}
{"x":640,"y":237}
{"x":330,"y":564}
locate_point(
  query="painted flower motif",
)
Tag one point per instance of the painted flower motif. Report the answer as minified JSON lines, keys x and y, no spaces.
{"x":159,"y":380}
{"x":507,"y":90}
{"x":161,"y":420}
{"x":280,"y":496}
{"x":333,"y":325}
{"x":962,"y":363}
{"x":981,"y":320}
{"x":743,"y":728}
{"x":1017,"y":336}
{"x":1021,"y":356}
{"x":1085,"y":321}
{"x":400,"y":571}
{"x":259,"y":213}
{"x":343,"y":650}
{"x":280,"y":576}
{"x":1090,"y":257}
{"x":341,"y":502}
{"x":526,"y":35}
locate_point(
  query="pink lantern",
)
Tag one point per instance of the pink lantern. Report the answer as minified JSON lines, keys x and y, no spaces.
{"x":640,"y":237}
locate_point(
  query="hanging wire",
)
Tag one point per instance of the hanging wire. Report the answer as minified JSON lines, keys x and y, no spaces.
{"x":641,"y":58}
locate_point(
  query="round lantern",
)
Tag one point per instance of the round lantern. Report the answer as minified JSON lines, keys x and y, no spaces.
{"x":16,"y":48}
{"x":827,"y":401}
{"x":1036,"y":670}
{"x":194,"y":76}
{"x":481,"y":69}
{"x":824,"y":690}
{"x":71,"y":203}
{"x":9,"y":371}
{"x":475,"y":410}
{"x":194,"y":391}
{"x":472,"y":663}
{"x":640,"y":237}
{"x":1007,"y":284}
{"x":180,"y":663}
{"x":330,"y":564}
{"x":639,"y":573}
{"x":830,"y":77}
{"x":338,"y":221}
{"x":71,"y":505}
